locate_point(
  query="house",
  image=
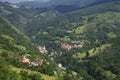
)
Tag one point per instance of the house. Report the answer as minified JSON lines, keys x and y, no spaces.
{"x":14,"y":6}
{"x":66,"y":46}
{"x":23,"y":59}
{"x":60,"y":65}
{"x":42,"y":49}
{"x":38,"y":62}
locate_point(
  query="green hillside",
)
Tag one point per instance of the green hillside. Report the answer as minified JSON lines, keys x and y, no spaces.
{"x":96,"y":28}
{"x":80,"y":45}
{"x":13,"y":44}
{"x":97,"y":32}
{"x":101,"y":8}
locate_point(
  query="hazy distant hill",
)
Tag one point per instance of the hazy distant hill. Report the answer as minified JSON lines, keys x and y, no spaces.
{"x":64,"y":5}
{"x":80,"y":3}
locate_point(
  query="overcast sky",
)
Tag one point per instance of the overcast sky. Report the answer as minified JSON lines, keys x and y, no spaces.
{"x":14,"y":1}
{"x":57,"y":2}
{"x":53,"y":1}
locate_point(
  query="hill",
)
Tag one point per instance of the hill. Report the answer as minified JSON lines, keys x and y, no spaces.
{"x":95,"y":29}
{"x":64,"y":6}
{"x":83,"y":44}
{"x":13,"y":43}
{"x":50,"y":3}
{"x":19,"y":55}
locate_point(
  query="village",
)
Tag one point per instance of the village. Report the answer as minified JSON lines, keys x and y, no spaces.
{"x":24,"y":59}
{"x":65,"y":46}
{"x":53,"y":54}
{"x":69,"y":47}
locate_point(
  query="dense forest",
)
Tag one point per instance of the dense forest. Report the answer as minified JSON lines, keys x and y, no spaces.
{"x":49,"y":45}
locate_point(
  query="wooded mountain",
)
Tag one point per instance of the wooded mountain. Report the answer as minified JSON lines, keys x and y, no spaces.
{"x":80,"y":3}
{"x":19,"y":57}
{"x":42,"y":44}
{"x":64,"y":6}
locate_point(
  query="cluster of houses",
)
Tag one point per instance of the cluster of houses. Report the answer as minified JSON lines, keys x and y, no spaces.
{"x":24,"y":59}
{"x":61,"y":66}
{"x":69,"y":47}
{"x":54,"y":54}
{"x":14,"y":6}
{"x":42,"y":49}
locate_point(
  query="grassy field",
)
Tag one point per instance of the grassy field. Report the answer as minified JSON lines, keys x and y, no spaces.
{"x":45,"y":77}
{"x":92,"y":52}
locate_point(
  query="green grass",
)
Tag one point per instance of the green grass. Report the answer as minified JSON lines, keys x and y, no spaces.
{"x":20,"y":47}
{"x":80,"y":30}
{"x":7,"y":37}
{"x":44,"y":76}
{"x":110,"y":74}
{"x":79,"y":55}
{"x":17,"y":30}
{"x":93,"y":52}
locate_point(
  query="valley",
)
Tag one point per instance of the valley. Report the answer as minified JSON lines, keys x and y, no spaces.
{"x":45,"y":44}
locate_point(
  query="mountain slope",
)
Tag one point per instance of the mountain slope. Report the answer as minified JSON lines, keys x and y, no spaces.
{"x":18,"y":16}
{"x":19,"y":53}
{"x":56,"y":2}
{"x":96,"y":29}
{"x":50,"y":3}
{"x":84,"y":43}
{"x":54,"y":19}
{"x":13,"y":45}
{"x":64,"y":5}
{"x":102,"y":8}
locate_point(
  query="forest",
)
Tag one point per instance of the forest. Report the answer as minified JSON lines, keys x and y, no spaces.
{"x":77,"y":45}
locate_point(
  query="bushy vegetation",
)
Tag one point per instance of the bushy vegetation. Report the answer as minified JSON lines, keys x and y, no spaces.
{"x":14,"y":43}
{"x":96,"y":28}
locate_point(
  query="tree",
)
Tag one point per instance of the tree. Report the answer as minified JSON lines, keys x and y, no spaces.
{"x":87,"y":53}
{"x":36,"y":77}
